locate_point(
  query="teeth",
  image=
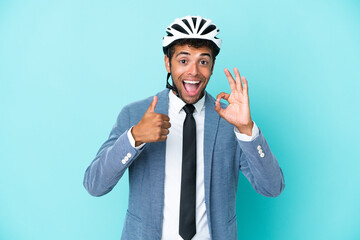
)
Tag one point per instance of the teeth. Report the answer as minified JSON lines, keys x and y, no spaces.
{"x":191,"y":82}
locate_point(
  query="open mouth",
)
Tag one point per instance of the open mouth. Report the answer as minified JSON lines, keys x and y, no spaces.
{"x":192,"y":87}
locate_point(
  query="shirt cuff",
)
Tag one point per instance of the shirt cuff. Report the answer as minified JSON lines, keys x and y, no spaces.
{"x":132,"y":140}
{"x":246,"y":138}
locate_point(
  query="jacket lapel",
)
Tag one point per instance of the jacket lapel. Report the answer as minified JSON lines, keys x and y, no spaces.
{"x":158,"y":169}
{"x":210,"y":130}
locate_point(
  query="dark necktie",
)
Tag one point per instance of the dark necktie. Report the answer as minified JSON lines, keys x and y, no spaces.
{"x":187,"y":224}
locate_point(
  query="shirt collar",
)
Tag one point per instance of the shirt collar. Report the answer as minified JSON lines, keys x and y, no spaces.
{"x":178,"y":104}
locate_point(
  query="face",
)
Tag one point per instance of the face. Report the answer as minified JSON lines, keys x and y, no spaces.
{"x":190,"y":69}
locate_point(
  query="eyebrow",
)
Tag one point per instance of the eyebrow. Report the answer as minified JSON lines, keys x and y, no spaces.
{"x":186,"y":53}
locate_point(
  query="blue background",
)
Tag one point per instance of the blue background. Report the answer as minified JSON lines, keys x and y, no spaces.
{"x":68,"y":67}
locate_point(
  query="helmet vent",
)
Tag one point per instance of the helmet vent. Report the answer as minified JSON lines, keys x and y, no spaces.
{"x":187,"y":24}
{"x":194,"y":21}
{"x":179,"y":28}
{"x":201,"y":24}
{"x":169,"y":34}
{"x":209,"y":29}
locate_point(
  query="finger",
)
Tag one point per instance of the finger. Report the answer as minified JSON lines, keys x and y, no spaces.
{"x":166,"y":124}
{"x":245,"y":85}
{"x":238,"y":79}
{"x":164,"y":132}
{"x":152,"y":105}
{"x":164,"y":117}
{"x":219,"y":110}
{"x":163,"y":138}
{"x":222,"y":95}
{"x":230,"y":79}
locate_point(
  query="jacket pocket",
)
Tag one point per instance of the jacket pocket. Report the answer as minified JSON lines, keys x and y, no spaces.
{"x":232,"y":228}
{"x":232,"y":220}
{"x":132,"y":227}
{"x":133,"y":216}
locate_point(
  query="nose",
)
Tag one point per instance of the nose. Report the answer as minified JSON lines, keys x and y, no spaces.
{"x":193,"y":69}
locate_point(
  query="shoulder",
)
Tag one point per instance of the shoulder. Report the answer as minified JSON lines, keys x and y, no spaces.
{"x":138,"y":108}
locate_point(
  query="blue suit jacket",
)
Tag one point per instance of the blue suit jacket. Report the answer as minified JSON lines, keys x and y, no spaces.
{"x":224,"y":156}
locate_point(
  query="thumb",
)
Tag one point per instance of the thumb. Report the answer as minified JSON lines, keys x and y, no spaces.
{"x":153,"y":105}
{"x":218,"y":109}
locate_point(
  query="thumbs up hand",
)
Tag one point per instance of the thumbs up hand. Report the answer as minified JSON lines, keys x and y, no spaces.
{"x":153,"y":127}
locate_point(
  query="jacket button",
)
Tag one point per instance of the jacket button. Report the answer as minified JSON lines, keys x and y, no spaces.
{"x":123,"y":161}
{"x":262,"y":155}
{"x":129,"y":155}
{"x":259,"y":147}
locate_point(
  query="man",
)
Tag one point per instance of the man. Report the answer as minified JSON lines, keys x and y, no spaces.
{"x":184,"y":149}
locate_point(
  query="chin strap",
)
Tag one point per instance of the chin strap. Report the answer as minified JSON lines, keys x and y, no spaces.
{"x":170,"y":86}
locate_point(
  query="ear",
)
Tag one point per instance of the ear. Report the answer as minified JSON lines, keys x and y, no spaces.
{"x":167,"y":63}
{"x":212,"y":67}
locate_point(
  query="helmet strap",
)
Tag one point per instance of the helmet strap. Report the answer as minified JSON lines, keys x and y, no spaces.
{"x":171,"y":87}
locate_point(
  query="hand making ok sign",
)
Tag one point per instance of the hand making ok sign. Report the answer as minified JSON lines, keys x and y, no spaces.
{"x":237,"y":112}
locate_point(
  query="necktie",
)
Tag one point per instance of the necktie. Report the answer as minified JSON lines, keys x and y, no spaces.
{"x":187,"y":225}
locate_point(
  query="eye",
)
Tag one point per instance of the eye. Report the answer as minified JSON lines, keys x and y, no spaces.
{"x":183,"y":61}
{"x":203,"y":62}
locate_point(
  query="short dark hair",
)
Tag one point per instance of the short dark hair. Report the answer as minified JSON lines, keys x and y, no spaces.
{"x":196,"y":43}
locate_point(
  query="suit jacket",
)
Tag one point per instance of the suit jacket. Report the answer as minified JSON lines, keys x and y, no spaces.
{"x":224,"y":156}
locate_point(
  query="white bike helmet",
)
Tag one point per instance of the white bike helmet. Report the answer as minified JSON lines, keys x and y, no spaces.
{"x":191,"y":27}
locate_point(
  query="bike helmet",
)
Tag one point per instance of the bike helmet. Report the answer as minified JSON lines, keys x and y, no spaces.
{"x":191,"y":27}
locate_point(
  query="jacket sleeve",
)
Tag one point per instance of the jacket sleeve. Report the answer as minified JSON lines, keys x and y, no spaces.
{"x":112,"y":159}
{"x":260,"y":167}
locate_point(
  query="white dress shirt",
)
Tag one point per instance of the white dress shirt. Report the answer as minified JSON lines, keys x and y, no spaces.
{"x":173,"y":163}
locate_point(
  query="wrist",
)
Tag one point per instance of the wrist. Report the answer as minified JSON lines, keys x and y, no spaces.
{"x":134,"y":132}
{"x":245,"y":129}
